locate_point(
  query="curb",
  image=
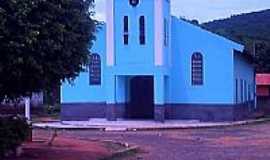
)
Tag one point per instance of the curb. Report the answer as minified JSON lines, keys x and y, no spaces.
{"x":123,"y":129}
{"x":198,"y":126}
{"x":202,"y":126}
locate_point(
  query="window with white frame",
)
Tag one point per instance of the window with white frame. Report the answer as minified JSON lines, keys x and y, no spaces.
{"x":197,"y":68}
{"x":95,"y":69}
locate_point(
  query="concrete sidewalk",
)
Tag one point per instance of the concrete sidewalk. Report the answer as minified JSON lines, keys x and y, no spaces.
{"x":130,"y":125}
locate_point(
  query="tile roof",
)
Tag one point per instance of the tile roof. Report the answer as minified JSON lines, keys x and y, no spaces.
{"x":263,"y":79}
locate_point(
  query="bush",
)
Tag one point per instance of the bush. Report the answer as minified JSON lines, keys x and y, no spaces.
{"x":14,"y":131}
{"x":52,"y":110}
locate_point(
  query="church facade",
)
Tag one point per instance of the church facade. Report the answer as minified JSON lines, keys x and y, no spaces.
{"x":147,"y":64}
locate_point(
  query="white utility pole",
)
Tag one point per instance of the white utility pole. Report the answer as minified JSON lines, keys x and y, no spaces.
{"x":255,"y":85}
{"x":27,"y":108}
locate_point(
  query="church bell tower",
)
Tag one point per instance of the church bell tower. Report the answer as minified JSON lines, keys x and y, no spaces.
{"x":138,"y":32}
{"x":137,"y":49}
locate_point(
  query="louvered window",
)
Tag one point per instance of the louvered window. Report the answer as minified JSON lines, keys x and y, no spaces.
{"x":197,"y":69}
{"x":95,"y":70}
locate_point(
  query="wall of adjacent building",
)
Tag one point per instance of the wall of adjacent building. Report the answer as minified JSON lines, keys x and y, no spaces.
{"x":245,"y":72}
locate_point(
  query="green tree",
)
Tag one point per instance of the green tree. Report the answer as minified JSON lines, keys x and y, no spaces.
{"x":262,"y":49}
{"x":43,"y":43}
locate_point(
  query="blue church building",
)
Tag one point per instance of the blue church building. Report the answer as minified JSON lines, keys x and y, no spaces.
{"x":148,"y":64}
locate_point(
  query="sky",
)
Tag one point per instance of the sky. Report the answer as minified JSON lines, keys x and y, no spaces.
{"x":203,"y":10}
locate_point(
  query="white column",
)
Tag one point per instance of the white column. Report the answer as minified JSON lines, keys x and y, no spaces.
{"x":170,"y":40}
{"x":27,"y":108}
{"x":110,"y":32}
{"x":159,"y":32}
{"x":159,"y":90}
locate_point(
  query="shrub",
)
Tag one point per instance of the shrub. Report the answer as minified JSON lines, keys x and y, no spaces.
{"x":13,"y":131}
{"x":53,"y":110}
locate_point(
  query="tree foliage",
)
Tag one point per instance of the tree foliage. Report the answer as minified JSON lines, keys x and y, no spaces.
{"x":192,"y":21}
{"x":43,"y":43}
{"x":14,"y":130}
{"x":252,"y":30}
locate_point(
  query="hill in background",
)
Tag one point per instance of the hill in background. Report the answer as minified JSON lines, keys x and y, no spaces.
{"x":250,"y":29}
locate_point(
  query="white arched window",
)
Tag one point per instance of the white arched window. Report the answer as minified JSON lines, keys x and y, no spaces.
{"x":197,"y":68}
{"x":95,"y":69}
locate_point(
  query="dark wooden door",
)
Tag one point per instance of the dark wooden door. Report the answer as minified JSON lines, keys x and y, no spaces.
{"x":141,"y":104}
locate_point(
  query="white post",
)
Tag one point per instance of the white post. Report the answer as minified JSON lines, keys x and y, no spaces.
{"x":255,"y":87}
{"x":27,"y":108}
{"x":255,"y":96}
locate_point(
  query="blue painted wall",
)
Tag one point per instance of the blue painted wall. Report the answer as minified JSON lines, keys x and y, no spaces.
{"x":80,"y":91}
{"x":134,"y":53}
{"x":218,"y":66}
{"x":172,"y":82}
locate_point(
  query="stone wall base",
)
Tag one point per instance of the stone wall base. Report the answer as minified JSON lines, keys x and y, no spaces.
{"x":202,"y":112}
{"x":210,"y":112}
{"x":86,"y":111}
{"x":159,"y":113}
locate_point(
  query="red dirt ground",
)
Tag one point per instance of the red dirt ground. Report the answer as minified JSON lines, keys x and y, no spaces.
{"x":63,"y":148}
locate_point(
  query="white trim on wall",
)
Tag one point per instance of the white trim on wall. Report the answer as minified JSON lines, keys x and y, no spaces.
{"x":170,"y":39}
{"x":110,"y":32}
{"x":159,"y":36}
